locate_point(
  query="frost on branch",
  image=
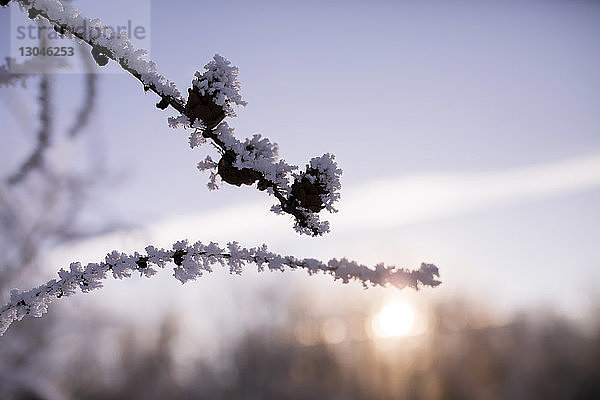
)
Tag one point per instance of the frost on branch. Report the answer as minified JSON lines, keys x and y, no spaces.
{"x":256,"y":159}
{"x":191,"y":261}
{"x":253,"y":160}
{"x":318,"y":187}
{"x":211,"y":98}
{"x":213,"y":92}
{"x":105,"y":43}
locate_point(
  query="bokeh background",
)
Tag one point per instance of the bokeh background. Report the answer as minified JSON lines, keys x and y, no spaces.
{"x":468,"y":132}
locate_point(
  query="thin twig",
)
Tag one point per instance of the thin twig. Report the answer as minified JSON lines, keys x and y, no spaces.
{"x":89,"y":99}
{"x":36,"y":158}
{"x":306,"y":220}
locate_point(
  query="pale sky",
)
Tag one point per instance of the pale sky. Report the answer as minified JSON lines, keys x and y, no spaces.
{"x":468,"y":132}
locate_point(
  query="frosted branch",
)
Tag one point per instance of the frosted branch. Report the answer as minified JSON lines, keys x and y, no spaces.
{"x":191,"y":261}
{"x":211,"y":98}
{"x":105,"y":45}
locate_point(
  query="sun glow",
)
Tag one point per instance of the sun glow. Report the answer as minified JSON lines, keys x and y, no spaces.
{"x":393,"y":320}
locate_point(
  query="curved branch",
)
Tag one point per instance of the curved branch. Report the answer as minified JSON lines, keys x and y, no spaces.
{"x":191,"y":261}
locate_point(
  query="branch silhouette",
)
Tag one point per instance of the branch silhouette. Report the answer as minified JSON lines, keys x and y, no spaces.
{"x":210,"y":100}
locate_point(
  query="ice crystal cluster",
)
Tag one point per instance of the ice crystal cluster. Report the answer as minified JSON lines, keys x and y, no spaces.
{"x":192,"y":261}
{"x":220,"y":82}
{"x":211,"y":98}
{"x":256,"y":159}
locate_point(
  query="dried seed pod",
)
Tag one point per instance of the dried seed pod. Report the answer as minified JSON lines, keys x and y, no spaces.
{"x":178,"y":256}
{"x":163,"y":103}
{"x":60,"y":29}
{"x":308,"y":194}
{"x":100,"y":58}
{"x":234,"y":176}
{"x":142,"y":262}
{"x":262,"y":184}
{"x":32,"y":13}
{"x":203,"y":107}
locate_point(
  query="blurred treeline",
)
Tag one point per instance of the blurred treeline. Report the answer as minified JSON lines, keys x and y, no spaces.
{"x":531,"y":357}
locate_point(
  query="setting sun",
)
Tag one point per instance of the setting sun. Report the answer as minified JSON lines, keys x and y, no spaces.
{"x":394,"y":319}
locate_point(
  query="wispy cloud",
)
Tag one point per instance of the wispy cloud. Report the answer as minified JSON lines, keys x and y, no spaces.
{"x":414,"y":199}
{"x":371,"y":207}
{"x":403,"y":200}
